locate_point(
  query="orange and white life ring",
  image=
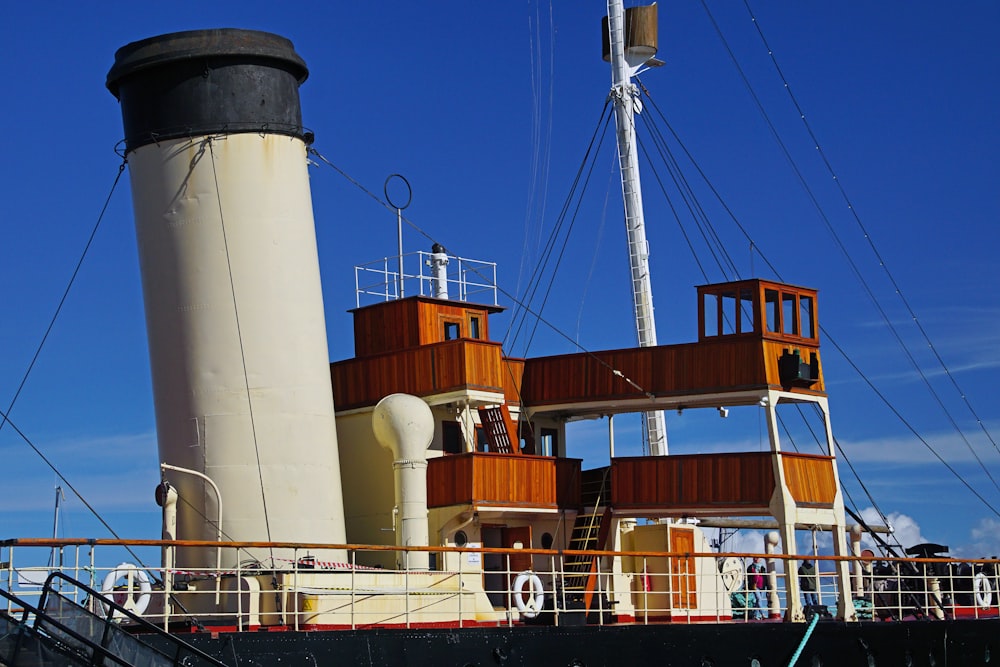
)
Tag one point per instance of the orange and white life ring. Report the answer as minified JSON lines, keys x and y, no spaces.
{"x":528,"y":593}
{"x":135,"y":595}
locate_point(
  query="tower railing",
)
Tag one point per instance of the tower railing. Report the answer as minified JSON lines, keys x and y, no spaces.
{"x":466,"y":279}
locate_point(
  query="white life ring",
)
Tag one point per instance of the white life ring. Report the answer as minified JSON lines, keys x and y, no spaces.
{"x":529,"y":602}
{"x":127,"y":598}
{"x":982,"y":590}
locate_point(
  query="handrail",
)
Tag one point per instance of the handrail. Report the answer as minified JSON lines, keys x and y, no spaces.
{"x":641,"y":586}
{"x":114,"y":609}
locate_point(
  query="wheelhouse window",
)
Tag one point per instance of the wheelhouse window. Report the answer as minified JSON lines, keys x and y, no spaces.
{"x":757,"y":306}
{"x":474,"y":328}
{"x":728,"y":312}
{"x":452,"y":330}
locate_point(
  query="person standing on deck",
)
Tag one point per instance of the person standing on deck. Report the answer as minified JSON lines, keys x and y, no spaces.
{"x":807,"y":582}
{"x":756,"y":593}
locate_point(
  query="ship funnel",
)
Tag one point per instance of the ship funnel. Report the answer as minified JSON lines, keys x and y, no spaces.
{"x":230,"y":272}
{"x":404,"y":425}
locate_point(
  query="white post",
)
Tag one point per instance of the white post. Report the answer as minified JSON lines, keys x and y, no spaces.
{"x":770,"y":542}
{"x":859,"y":586}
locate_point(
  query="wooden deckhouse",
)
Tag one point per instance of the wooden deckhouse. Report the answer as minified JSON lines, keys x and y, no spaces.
{"x":498,"y":474}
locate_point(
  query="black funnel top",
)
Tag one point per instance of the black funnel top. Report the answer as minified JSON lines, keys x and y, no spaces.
{"x":207,"y":82}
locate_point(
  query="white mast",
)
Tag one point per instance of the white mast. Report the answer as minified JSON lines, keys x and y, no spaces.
{"x":626,"y":59}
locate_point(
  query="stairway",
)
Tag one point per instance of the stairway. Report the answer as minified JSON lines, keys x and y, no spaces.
{"x":590,"y":533}
{"x":60,"y":631}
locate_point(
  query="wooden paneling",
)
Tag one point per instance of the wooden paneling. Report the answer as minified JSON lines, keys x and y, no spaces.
{"x":713,"y":366}
{"x":421,"y":371}
{"x":810,"y":478}
{"x":568,"y":482}
{"x":513,"y":371}
{"x":773,"y":351}
{"x":385,"y":327}
{"x":738,"y":482}
{"x":516,"y":480}
{"x":406,"y":323}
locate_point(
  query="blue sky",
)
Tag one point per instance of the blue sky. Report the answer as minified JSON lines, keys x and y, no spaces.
{"x":487,"y":109}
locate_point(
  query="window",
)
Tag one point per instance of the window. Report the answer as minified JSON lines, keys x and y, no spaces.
{"x":728,"y":313}
{"x":746,"y":311}
{"x":711,"y":308}
{"x":806,"y":316}
{"x":772,"y":314}
{"x":474,"y":327}
{"x":549,"y":442}
{"x":789,"y":316}
{"x":452,"y":330}
{"x":451,"y":437}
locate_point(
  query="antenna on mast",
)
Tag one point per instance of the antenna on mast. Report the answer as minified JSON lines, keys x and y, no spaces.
{"x":630,"y":42}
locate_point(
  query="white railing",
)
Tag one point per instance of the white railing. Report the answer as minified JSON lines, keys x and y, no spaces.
{"x":475,"y":586}
{"x":466,"y":279}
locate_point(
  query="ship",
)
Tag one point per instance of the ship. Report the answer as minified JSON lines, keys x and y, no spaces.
{"x":417,"y":503}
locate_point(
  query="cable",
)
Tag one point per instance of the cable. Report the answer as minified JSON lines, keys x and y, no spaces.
{"x":239,"y":332}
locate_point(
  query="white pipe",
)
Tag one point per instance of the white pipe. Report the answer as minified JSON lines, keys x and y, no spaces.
{"x":218,"y":522}
{"x":611,"y":434}
{"x":439,"y":271}
{"x":169,"y":503}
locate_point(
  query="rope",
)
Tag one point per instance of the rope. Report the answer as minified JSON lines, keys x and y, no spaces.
{"x":805,"y":640}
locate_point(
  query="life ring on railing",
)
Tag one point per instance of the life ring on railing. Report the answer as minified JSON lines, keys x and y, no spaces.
{"x":127,"y":598}
{"x":982,"y":590}
{"x":528,"y":593}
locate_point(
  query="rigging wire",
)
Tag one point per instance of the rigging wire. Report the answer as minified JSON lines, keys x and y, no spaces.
{"x":513,"y":298}
{"x":209,"y":142}
{"x":694,"y":208}
{"x":541,"y":140}
{"x":562,"y":249}
{"x":5,"y":415}
{"x":878,"y":256}
{"x":836,"y":238}
{"x":520,"y":315}
{"x":65,"y":295}
{"x":853,"y":266}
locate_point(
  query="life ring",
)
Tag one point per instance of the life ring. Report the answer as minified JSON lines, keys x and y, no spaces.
{"x":529,"y":594}
{"x":127,"y":598}
{"x":982,"y":590}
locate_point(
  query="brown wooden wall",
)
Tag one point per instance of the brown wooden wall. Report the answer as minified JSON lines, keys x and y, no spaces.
{"x":810,"y":478}
{"x":430,"y":369}
{"x":737,"y":482}
{"x":708,"y":367}
{"x":405,"y":323}
{"x":514,"y":480}
{"x":513,"y":375}
{"x":385,"y":326}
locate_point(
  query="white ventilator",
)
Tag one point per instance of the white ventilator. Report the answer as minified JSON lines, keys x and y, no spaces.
{"x":404,"y":425}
